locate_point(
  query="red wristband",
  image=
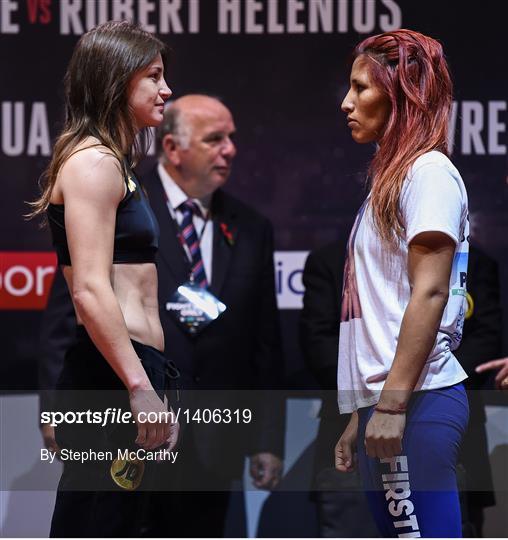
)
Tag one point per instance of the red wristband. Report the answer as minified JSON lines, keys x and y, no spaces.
{"x":400,"y":410}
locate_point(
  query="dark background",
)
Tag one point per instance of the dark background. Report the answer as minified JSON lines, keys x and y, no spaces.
{"x":296,"y":161}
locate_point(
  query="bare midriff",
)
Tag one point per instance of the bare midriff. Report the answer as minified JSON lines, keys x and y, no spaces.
{"x":135,"y":287}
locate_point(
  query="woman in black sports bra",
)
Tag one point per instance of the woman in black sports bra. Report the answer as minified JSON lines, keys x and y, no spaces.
{"x":106,"y":235}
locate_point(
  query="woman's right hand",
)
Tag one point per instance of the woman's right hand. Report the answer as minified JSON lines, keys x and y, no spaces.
{"x":154,"y":422}
{"x":345,"y":449}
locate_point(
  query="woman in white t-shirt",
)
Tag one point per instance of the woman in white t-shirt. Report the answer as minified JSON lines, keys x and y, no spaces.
{"x":404,"y":291}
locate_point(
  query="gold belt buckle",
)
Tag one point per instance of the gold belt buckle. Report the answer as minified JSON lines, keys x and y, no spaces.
{"x":127,"y":473}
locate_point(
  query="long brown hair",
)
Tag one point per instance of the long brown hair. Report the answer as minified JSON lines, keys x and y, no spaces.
{"x":411,"y":69}
{"x":96,"y":99}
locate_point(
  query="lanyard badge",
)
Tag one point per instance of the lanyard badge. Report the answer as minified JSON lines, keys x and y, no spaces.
{"x":194,"y":307}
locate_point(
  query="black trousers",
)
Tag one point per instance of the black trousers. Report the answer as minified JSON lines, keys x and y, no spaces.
{"x":193,"y":500}
{"x":89,"y":514}
{"x":342,"y":507}
{"x":186,"y":514}
{"x":89,"y":503}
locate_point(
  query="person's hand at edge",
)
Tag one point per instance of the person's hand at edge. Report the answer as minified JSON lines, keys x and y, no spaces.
{"x":501,"y":364}
{"x":265,"y":470}
{"x":345,"y":449}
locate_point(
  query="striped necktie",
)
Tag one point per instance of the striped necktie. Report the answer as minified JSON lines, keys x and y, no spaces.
{"x":190,"y":237}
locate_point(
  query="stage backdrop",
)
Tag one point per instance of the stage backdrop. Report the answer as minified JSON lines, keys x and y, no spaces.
{"x":281,"y":66}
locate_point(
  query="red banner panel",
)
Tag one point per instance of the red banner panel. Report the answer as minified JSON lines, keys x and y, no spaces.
{"x":25,"y":279}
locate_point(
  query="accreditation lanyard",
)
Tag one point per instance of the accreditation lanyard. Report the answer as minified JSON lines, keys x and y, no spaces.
{"x":193,"y":307}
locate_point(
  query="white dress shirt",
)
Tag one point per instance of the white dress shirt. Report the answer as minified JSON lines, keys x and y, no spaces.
{"x":203,"y":225}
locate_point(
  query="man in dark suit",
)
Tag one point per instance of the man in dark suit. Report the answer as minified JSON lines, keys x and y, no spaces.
{"x":241,"y":349}
{"x":341,"y":505}
{"x":481,"y":340}
{"x":213,"y":240}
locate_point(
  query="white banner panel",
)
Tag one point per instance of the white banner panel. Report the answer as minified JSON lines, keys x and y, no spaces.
{"x":288,"y":278}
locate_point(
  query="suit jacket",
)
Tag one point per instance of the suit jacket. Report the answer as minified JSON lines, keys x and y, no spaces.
{"x":57,"y":332}
{"x":239,"y":351}
{"x":482,"y":336}
{"x":481,"y":341}
{"x":319,"y":340}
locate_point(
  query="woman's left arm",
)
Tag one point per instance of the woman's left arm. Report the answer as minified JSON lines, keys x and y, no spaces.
{"x":430,"y":257}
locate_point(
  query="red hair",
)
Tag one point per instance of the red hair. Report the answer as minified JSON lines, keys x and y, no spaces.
{"x":411,"y":70}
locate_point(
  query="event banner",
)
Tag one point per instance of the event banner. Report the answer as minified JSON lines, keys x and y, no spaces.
{"x":282,"y":67}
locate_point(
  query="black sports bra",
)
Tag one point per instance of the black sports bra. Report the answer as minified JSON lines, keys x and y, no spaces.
{"x":136,"y":229}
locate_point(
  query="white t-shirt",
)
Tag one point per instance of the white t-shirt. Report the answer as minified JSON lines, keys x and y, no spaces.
{"x":376,"y":288}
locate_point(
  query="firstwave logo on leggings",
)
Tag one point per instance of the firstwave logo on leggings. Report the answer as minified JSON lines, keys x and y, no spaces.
{"x":398,"y":490}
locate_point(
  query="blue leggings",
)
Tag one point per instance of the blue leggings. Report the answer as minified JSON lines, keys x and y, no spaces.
{"x":415,"y":494}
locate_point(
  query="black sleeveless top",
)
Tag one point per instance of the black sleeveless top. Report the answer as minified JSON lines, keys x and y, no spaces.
{"x":136,"y":229}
